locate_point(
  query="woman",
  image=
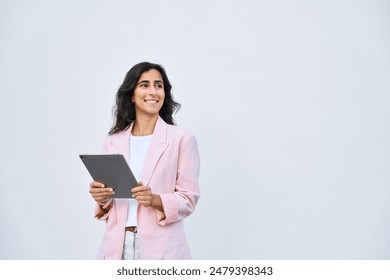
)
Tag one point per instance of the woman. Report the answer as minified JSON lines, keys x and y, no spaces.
{"x":164,"y":159}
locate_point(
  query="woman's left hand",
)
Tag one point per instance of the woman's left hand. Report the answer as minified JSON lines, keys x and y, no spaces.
{"x":144,"y":196}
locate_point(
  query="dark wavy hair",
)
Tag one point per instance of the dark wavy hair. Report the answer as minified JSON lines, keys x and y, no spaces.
{"x":124,"y":109}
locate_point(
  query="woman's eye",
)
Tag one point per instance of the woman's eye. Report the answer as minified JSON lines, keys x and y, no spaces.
{"x":159,"y":86}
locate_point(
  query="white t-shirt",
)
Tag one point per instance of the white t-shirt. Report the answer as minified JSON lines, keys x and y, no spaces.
{"x":139,"y":146}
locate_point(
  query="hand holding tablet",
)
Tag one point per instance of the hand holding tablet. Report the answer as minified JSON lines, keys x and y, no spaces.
{"x":113,"y":171}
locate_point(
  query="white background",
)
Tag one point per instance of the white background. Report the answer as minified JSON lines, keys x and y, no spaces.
{"x":289,"y":101}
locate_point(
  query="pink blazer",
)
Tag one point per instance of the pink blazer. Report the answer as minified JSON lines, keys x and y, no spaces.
{"x":171,"y":169}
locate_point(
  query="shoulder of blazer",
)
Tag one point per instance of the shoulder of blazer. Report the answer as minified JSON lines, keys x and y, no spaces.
{"x":177,"y":131}
{"x":180,"y":136}
{"x":167,"y":132}
{"x":117,"y":139}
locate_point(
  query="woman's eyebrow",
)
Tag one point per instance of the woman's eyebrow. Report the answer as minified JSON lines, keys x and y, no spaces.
{"x":147,"y":81}
{"x":143,"y":81}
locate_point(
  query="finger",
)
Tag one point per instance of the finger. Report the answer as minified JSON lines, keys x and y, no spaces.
{"x":102,"y":200}
{"x":140,"y":189}
{"x":101,"y":190}
{"x":145,"y":203}
{"x":99,"y":194}
{"x":99,"y":197}
{"x":145,"y":200}
{"x":107,"y":192}
{"x":142,"y":194}
{"x":143,"y":197}
{"x":95,"y":184}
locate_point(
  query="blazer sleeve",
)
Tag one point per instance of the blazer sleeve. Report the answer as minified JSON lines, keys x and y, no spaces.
{"x":181,"y":203}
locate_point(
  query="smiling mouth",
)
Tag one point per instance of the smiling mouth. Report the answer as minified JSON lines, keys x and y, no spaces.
{"x":151,"y":101}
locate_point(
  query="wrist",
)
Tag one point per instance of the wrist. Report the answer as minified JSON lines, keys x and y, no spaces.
{"x":156,"y":202}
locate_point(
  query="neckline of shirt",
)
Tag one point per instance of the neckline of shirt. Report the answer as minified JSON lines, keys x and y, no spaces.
{"x":145,"y":137}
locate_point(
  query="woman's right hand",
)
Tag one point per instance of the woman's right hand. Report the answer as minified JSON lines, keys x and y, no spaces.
{"x":100,"y":193}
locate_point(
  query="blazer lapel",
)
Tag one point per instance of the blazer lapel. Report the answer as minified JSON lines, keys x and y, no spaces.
{"x":157,"y":147}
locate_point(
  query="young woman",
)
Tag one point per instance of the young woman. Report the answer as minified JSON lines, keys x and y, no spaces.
{"x":164,"y":159}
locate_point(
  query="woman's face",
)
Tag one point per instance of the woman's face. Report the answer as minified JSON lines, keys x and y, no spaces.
{"x":149,"y":94}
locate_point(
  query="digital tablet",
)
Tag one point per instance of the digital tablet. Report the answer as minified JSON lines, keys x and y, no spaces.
{"x":113,"y":171}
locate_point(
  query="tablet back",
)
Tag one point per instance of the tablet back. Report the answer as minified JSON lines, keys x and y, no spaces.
{"x":111,"y":170}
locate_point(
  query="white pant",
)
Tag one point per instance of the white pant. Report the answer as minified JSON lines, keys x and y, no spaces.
{"x":131,"y":246}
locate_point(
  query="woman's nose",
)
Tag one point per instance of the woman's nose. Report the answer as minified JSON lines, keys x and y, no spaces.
{"x":153,"y":90}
